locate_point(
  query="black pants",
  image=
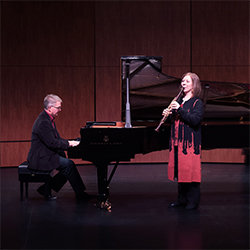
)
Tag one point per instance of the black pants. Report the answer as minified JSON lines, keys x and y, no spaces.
{"x":187,"y":192}
{"x":67,"y":172}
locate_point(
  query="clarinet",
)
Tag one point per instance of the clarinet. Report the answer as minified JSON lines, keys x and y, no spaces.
{"x":164,"y":118}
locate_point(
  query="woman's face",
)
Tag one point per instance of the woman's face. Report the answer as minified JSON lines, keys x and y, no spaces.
{"x":187,"y":84}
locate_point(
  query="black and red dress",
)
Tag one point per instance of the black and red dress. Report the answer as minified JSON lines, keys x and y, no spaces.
{"x":185,"y":142}
{"x":185,"y":151}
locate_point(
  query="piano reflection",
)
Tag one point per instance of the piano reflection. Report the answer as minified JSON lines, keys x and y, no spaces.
{"x":146,"y":91}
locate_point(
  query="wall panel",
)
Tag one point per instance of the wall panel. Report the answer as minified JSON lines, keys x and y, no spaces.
{"x":24,"y":91}
{"x":151,"y":28}
{"x":220,"y":33}
{"x":108,"y":94}
{"x":14,"y":153}
{"x":223,"y":155}
{"x":43,"y":33}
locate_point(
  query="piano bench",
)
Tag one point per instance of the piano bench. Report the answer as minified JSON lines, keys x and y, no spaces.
{"x":26,"y":175}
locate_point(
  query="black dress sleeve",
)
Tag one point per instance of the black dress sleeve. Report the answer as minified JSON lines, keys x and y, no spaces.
{"x":194,"y":115}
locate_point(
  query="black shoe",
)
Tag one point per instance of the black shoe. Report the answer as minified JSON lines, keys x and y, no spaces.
{"x":47,"y":197}
{"x":50,"y":198}
{"x":85,"y":197}
{"x":177,"y":204}
{"x":192,"y":206}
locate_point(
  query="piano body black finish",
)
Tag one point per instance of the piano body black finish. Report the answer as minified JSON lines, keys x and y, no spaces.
{"x":101,"y":146}
{"x":225,"y":135}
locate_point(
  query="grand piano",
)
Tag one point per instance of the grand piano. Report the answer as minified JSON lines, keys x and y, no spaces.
{"x":146,"y":91}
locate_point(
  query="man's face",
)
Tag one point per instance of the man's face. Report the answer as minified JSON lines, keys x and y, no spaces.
{"x":54,"y":110}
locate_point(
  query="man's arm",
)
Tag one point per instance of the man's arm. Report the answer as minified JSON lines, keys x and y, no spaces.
{"x":47,"y":135}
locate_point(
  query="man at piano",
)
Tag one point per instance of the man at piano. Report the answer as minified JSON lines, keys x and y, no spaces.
{"x":47,"y":152}
{"x":185,"y":142}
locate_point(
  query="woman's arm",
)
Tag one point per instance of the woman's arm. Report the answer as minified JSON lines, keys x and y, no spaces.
{"x":194,"y":116}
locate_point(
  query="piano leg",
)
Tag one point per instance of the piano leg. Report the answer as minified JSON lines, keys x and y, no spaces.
{"x":102,"y":172}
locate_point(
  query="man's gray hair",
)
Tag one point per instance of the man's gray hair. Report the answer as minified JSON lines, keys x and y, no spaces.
{"x":50,"y":100}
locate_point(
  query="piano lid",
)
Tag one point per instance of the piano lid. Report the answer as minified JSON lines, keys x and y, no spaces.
{"x":151,"y":91}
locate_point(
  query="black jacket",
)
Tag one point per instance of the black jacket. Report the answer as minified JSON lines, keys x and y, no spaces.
{"x":190,"y":116}
{"x":46,"y":145}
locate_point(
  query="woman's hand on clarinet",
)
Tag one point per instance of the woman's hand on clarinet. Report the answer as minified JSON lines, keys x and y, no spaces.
{"x":175,"y":105}
{"x":166,"y":111}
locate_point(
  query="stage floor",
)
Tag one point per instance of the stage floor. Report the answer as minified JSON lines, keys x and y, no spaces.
{"x":139,"y":218}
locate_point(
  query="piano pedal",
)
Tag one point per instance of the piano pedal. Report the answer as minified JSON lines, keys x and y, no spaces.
{"x":104,"y":205}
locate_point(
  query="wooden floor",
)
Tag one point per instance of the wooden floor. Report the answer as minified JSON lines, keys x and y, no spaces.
{"x":139,"y":218}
